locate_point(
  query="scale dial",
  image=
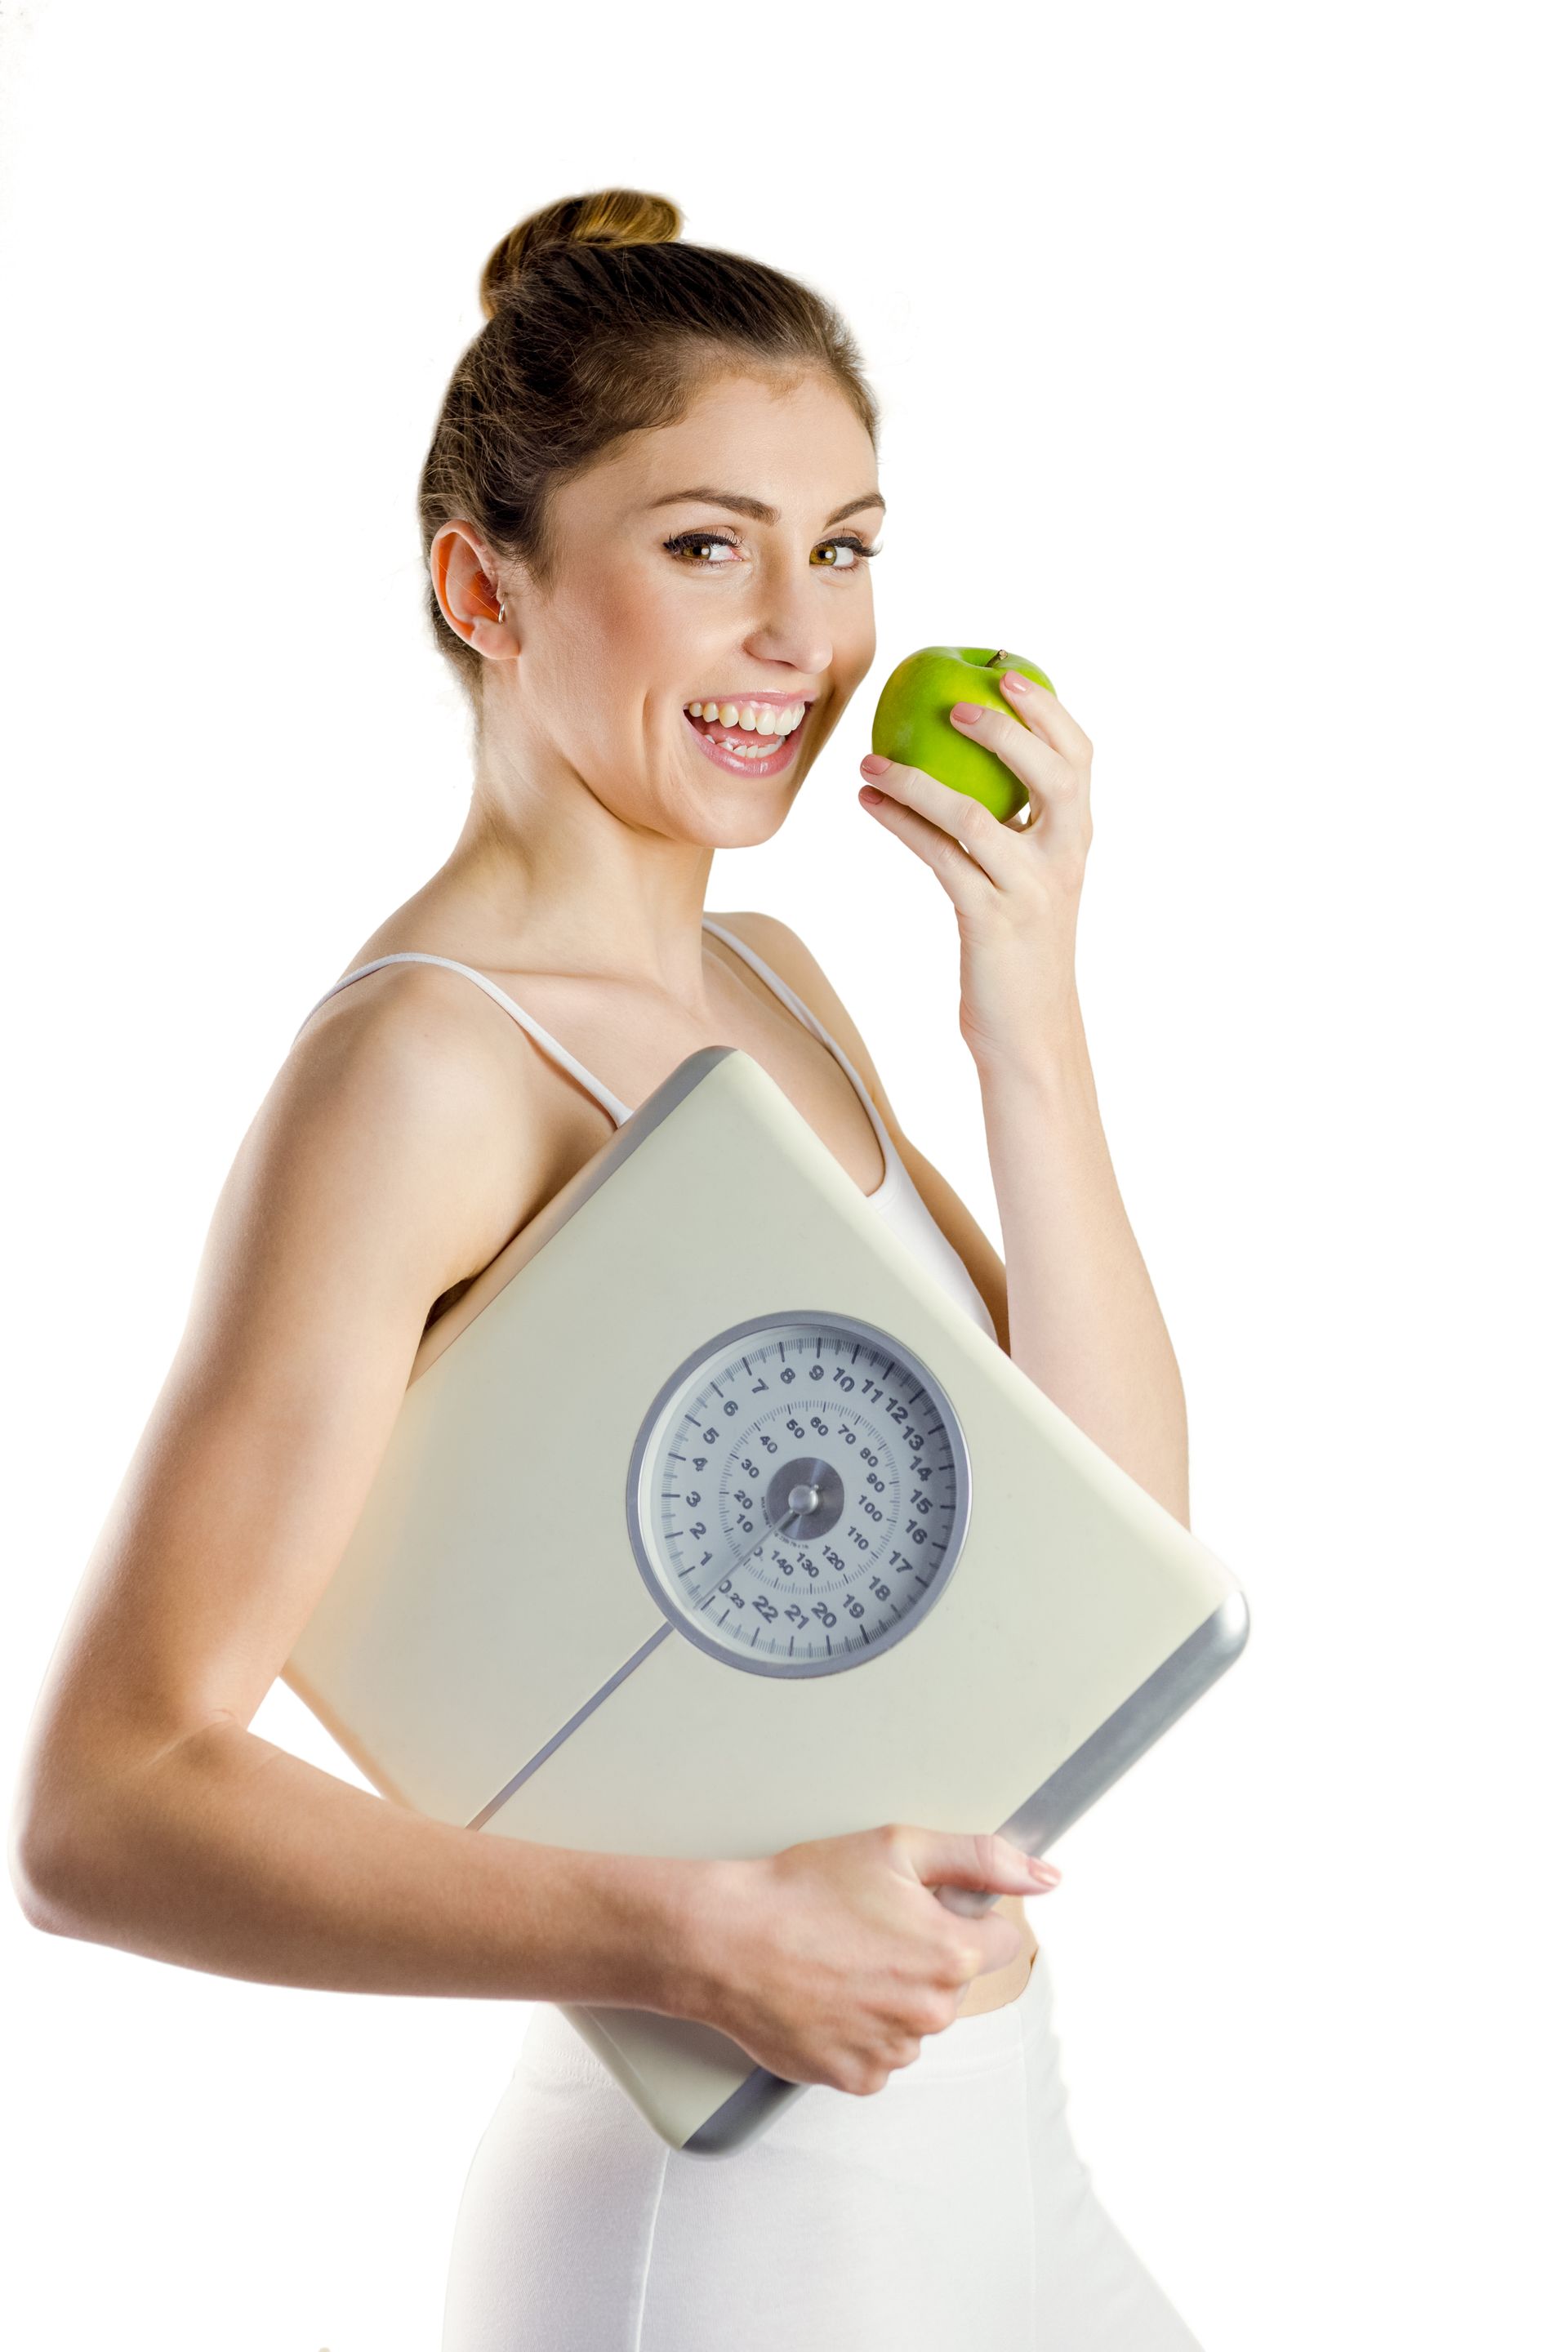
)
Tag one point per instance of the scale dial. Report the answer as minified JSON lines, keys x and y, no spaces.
{"x":798,"y":1493}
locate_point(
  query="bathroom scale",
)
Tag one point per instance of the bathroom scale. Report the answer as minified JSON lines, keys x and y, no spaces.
{"x":711,"y":1522}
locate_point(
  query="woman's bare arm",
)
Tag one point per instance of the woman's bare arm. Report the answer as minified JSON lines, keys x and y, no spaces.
{"x":394,"y":1154}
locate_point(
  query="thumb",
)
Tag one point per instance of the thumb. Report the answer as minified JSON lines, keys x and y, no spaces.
{"x":984,"y":1865}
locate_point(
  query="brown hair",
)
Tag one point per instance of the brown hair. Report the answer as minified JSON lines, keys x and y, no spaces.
{"x":598,"y":323}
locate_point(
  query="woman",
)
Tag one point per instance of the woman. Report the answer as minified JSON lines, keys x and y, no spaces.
{"x":647,"y":510}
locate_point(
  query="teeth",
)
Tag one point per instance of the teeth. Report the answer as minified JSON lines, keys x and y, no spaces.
{"x":756,"y":718}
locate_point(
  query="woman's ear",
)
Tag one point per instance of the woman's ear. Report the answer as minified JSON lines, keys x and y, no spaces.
{"x":464,"y":575}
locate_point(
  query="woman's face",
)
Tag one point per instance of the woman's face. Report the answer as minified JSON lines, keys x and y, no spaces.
{"x":712,"y":562}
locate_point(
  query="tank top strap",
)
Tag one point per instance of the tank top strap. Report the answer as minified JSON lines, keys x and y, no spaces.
{"x":804,"y":1012}
{"x":898,"y":1197}
{"x":619,"y":1111}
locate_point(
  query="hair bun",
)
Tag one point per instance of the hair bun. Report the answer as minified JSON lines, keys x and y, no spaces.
{"x":609,"y":216}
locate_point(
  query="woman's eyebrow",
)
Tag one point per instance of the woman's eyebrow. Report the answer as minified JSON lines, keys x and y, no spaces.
{"x":738,"y":503}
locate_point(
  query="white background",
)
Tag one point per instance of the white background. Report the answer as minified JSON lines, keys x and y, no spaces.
{"x":1221,"y":352}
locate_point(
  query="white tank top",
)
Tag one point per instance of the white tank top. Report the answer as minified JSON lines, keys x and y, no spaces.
{"x":895,"y":1197}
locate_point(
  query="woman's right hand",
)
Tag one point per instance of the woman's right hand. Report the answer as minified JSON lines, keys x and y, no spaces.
{"x":829,"y":1961}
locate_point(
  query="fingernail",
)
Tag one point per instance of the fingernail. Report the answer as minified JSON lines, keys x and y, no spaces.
{"x":1017,"y":685}
{"x":873,"y":764}
{"x":966,"y":713}
{"x":1045,"y":1871}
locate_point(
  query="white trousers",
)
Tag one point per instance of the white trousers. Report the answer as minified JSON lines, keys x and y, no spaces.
{"x":948,"y":2210}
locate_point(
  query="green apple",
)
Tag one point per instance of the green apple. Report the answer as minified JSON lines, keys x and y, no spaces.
{"x":911,"y":723}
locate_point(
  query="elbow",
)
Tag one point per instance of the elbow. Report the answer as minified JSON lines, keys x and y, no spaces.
{"x":45,"y":1884}
{"x":49,"y":1852}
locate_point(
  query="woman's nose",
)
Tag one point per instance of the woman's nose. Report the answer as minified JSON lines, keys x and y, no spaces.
{"x":790,"y":626}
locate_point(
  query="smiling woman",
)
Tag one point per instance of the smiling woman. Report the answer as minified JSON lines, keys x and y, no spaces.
{"x":602,"y":324}
{"x":773,"y":619}
{"x":652,"y":672}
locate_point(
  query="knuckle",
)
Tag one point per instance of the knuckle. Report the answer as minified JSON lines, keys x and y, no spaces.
{"x":991,"y":1852}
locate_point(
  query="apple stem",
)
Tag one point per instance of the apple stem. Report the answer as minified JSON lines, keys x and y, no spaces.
{"x":997,"y":659}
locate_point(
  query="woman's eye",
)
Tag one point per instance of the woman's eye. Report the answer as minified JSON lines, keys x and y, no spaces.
{"x":857,"y":547}
{"x":688,"y":543}
{"x":693,"y":546}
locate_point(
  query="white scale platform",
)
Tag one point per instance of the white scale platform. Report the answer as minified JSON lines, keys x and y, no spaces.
{"x":710,"y":1522}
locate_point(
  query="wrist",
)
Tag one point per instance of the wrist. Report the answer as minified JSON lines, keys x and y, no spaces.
{"x":698,"y":1910}
{"x":733,"y":1918}
{"x":1052,"y":1066}
{"x":1051,"y":1052}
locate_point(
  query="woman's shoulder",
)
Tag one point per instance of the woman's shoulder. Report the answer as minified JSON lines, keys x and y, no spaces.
{"x":412,"y":1060}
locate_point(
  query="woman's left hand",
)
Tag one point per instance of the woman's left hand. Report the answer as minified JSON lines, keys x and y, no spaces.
{"x":1015,"y":886}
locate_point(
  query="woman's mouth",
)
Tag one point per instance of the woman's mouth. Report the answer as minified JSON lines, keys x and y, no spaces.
{"x":743,"y":751}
